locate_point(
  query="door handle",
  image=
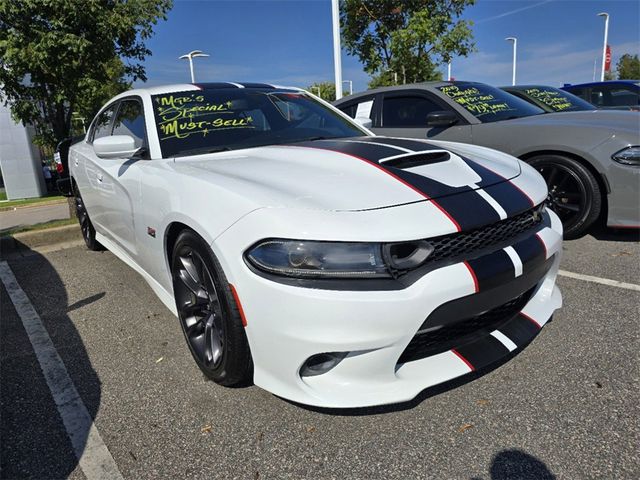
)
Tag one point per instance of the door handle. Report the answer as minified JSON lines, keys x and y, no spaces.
{"x":99,"y":176}
{"x":75,"y":162}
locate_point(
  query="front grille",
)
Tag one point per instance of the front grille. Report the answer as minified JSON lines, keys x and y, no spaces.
{"x":465,"y":243}
{"x":450,"y":336}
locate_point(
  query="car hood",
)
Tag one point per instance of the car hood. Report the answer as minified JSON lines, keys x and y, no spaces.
{"x":602,"y":119}
{"x":354,"y":174}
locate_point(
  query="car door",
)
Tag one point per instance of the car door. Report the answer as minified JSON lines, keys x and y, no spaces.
{"x":117,"y":181}
{"x":404,"y":114}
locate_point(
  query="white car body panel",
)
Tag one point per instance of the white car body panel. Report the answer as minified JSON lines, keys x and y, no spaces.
{"x":234,"y":199}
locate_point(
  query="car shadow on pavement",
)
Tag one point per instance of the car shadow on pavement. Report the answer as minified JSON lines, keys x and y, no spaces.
{"x":615,"y":234}
{"x":34,"y":440}
{"x":516,"y":464}
{"x":418,"y":399}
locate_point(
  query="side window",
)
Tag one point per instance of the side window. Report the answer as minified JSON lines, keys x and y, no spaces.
{"x":102,"y":125}
{"x":407,"y":111}
{"x":130,"y":121}
{"x":621,"y":96}
{"x":361,"y":109}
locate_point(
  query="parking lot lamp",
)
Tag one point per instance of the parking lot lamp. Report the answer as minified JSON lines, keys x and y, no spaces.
{"x":190,"y":56}
{"x":604,"y":47}
{"x":515,"y":51}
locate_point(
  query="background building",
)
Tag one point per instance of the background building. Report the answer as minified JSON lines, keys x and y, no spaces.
{"x":20,"y":159}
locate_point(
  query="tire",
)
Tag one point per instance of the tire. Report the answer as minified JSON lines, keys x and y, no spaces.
{"x":88,"y":231}
{"x":574,"y":193}
{"x":208,"y":313}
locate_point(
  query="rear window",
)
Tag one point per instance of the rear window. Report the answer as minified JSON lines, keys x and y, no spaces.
{"x":488,"y":104}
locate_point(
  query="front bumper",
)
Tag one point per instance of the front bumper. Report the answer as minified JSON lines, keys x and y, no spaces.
{"x":286,"y":324}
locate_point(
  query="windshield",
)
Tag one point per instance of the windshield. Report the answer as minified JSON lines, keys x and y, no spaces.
{"x":211,"y":120}
{"x":488,"y":104}
{"x":554,"y":99}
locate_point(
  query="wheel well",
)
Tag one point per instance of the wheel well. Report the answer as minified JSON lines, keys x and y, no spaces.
{"x":171,"y":236}
{"x":602,"y":182}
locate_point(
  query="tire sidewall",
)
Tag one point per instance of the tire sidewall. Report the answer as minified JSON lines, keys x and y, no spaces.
{"x":593,"y":200}
{"x":232,"y":323}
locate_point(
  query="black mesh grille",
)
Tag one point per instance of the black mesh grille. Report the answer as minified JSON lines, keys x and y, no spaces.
{"x":430,"y":343}
{"x":462,"y":244}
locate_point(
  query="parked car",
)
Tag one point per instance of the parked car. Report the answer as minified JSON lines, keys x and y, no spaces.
{"x":590,"y":160}
{"x":549,"y":99}
{"x":329,"y":266}
{"x":612,"y":94}
{"x":61,"y":159}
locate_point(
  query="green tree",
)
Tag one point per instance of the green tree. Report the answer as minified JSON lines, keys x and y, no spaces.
{"x":325,"y":90}
{"x":628,"y":67}
{"x":63,"y":56}
{"x":405,"y":41}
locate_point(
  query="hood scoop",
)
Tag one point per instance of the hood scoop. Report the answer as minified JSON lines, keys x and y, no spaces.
{"x":416,"y":160}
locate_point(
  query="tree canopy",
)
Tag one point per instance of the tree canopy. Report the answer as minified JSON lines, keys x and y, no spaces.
{"x":325,"y":90}
{"x":628,"y":67}
{"x":405,"y":41}
{"x":63,"y":56}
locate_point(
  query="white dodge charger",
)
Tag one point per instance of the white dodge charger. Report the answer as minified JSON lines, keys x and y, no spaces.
{"x":327,"y":265}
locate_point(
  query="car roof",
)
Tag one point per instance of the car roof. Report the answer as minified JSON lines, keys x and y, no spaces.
{"x":523,"y":87}
{"x":432,"y":86}
{"x":606,"y":82}
{"x":183,"y":87}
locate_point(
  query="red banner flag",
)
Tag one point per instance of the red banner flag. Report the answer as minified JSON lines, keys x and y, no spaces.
{"x":607,"y":60}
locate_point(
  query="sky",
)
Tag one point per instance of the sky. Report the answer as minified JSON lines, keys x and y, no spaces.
{"x":289,"y":42}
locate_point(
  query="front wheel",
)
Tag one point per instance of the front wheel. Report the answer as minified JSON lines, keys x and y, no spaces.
{"x":208,"y":313}
{"x":574,"y":193}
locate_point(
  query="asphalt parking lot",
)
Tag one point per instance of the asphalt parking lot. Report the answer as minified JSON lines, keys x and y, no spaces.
{"x":564,"y":407}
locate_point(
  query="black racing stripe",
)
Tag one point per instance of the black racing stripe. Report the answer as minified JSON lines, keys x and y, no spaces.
{"x":409,"y":144}
{"x":531,"y":251}
{"x":256,"y":85}
{"x":428,"y":186}
{"x":510,"y":197}
{"x":214,"y":85}
{"x":493,"y":270}
{"x":483,"y":351}
{"x":520,"y":330}
{"x":470,"y":210}
{"x":370,"y":152}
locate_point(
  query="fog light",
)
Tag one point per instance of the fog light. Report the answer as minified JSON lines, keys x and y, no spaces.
{"x":321,"y":363}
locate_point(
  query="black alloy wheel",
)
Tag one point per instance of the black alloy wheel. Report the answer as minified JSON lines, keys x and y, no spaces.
{"x":208,"y":314}
{"x":574,"y":193}
{"x":88,"y":232}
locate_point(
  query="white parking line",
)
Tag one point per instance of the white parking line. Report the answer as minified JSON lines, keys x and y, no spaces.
{"x":602,"y":281}
{"x":93,"y":456}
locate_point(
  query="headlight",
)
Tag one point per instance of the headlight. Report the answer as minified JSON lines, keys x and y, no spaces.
{"x":301,"y":258}
{"x":628,"y":156}
{"x":311,"y":259}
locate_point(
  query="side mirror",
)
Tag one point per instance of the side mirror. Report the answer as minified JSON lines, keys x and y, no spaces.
{"x":441,"y":119}
{"x":115,"y":146}
{"x":363,"y":122}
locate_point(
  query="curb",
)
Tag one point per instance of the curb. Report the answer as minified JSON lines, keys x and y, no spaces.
{"x":33,"y":205}
{"x":21,"y":242}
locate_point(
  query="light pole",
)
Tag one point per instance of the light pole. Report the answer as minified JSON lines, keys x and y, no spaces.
{"x":515,"y":50}
{"x":604,"y":47}
{"x":449,"y":71}
{"x":350,"y":86}
{"x":337,"y":60}
{"x":190,"y":56}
